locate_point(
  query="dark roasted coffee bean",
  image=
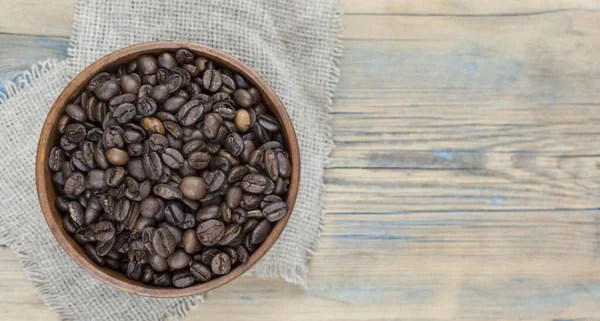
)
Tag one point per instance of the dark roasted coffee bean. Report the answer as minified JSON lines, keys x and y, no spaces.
{"x":66,"y":144}
{"x":178,"y":260}
{"x":173,"y":129}
{"x":172,"y":158}
{"x":227,"y":84}
{"x":61,"y":203}
{"x":174,"y":213}
{"x":192,"y":146}
{"x":213,"y":180}
{"x":158,"y":263}
{"x":157,"y":143}
{"x":137,"y":191}
{"x":75,"y":132}
{"x":152,"y":164}
{"x":147,"y":235}
{"x":190,"y":113}
{"x":103,"y":247}
{"x":202,"y":63}
{"x":114,"y":176}
{"x":63,"y":121}
{"x":249,"y":225}
{"x":242,"y":97}
{"x":133,"y":134}
{"x":224,"y":109}
{"x":221,"y":264}
{"x":254,"y":183}
{"x":76,"y":213}
{"x":269,"y":122}
{"x":134,"y":150}
{"x":232,"y":253}
{"x":232,"y":232}
{"x":113,"y":138}
{"x":164,"y":279}
{"x":107,"y":90}
{"x":243,"y":255}
{"x":151,"y":80}
{"x":175,"y":231}
{"x":78,"y":161}
{"x":148,"y":275}
{"x":173,"y":104}
{"x":270,"y":199}
{"x":281,"y":186}
{"x":142,"y":223}
{"x":56,"y":159}
{"x":95,"y":179}
{"x":192,"y":70}
{"x":75,"y":184}
{"x":184,"y":56}
{"x":210,"y":232}
{"x":95,"y":135}
{"x":146,"y":106}
{"x":91,"y":251}
{"x":271,"y":164}
{"x":200,"y":271}
{"x":275,"y":211}
{"x":122,"y":242}
{"x":240,"y":81}
{"x":167,"y":61}
{"x":260,"y":133}
{"x":260,"y":233}
{"x":135,"y":271}
{"x":185,"y":75}
{"x":130,"y":85}
{"x":146,"y":65}
{"x":207,"y":255}
{"x":239,"y":215}
{"x":219,"y":163}
{"x":212,"y":148}
{"x":249,"y":246}
{"x":183,"y":278}
{"x":249,"y":148}
{"x":174,"y":142}
{"x":151,"y":206}
{"x":190,"y":241}
{"x":208,"y":213}
{"x":284,"y":165}
{"x":163,"y":242}
{"x":111,"y":263}
{"x":97,"y":80}
{"x":211,"y":80}
{"x":234,"y":144}
{"x":75,"y":112}
{"x":199,"y":160}
{"x":226,"y":213}
{"x":256,"y":95}
{"x":122,"y":99}
{"x":234,"y":197}
{"x":167,"y":192}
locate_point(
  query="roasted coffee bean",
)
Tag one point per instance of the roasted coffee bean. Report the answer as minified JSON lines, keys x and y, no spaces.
{"x":281,"y":186}
{"x":190,"y":241}
{"x":196,"y":145}
{"x":210,"y":232}
{"x":103,"y":247}
{"x":167,"y":192}
{"x":95,"y":179}
{"x":95,"y":135}
{"x":56,"y":159}
{"x":167,"y":61}
{"x":249,"y":225}
{"x":211,"y":80}
{"x":275,"y":211}
{"x":75,"y":184}
{"x":91,"y":251}
{"x":199,"y":160}
{"x":239,"y":215}
{"x":137,"y":191}
{"x":219,"y":163}
{"x":111,"y":263}
{"x":207,"y":255}
{"x":63,"y":121}
{"x":158,"y":263}
{"x":240,"y":81}
{"x":97,"y":80}
{"x":248,"y":245}
{"x":147,"y":235}
{"x":173,"y":104}
{"x":133,"y":134}
{"x":234,"y":197}
{"x":208,"y":213}
{"x":152,"y":164}
{"x":202,"y":63}
{"x":163,"y":242}
{"x":147,"y":65}
{"x":141,"y":223}
{"x":224,"y":109}
{"x":148,"y":275}
{"x":61,"y":203}
{"x":146,"y":106}
{"x":173,"y":129}
{"x":178,"y":260}
{"x":75,"y":112}
{"x":127,"y":98}
{"x":242,"y":97}
{"x":200,"y":271}
{"x":113,"y":138}
{"x":172,"y":158}
{"x":175,"y":231}
{"x":107,"y":90}
{"x":157,"y":143}
{"x":221,"y":264}
{"x":193,"y":187}
{"x":271,"y":164}
{"x":151,"y":207}
{"x":243,"y":255}
{"x":75,"y":132}
{"x":256,"y":95}
{"x":232,"y":232}
{"x":130,"y":85}
{"x":135,"y":150}
{"x":76,"y":213}
{"x":227,"y":84}
{"x":234,"y":144}
{"x":190,"y":113}
{"x":254,"y":183}
{"x":183,"y":278}
{"x":135,"y":270}
{"x":255,"y":157}
{"x":184,"y":56}
{"x":226,"y":213}
{"x":114,"y":176}
{"x":270,"y":199}
{"x":164,"y":279}
{"x":213,"y":180}
{"x":174,"y":213}
{"x":260,"y":232}
{"x":232,"y":253}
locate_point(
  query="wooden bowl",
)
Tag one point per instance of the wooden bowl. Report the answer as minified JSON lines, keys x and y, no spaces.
{"x":50,"y":136}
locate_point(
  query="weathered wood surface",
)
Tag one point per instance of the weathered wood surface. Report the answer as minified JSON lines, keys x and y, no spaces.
{"x":466,"y":177}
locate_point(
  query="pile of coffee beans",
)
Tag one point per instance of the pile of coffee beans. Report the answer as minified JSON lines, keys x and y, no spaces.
{"x":170,"y":170}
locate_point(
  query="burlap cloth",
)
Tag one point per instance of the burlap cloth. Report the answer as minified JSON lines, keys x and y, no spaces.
{"x":292,"y":44}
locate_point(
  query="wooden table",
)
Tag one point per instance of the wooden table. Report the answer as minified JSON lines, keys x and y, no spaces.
{"x":465,"y":182}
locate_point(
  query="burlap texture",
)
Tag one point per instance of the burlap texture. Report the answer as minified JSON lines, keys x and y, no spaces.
{"x":292,"y":44}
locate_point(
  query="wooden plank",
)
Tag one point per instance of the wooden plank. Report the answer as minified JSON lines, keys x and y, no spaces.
{"x":464,"y":182}
{"x":55,"y":17}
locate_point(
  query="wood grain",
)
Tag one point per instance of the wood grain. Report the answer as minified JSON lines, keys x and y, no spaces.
{"x":464,"y":182}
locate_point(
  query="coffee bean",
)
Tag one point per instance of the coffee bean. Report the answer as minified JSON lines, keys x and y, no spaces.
{"x":148,"y":275}
{"x":256,"y":95}
{"x":167,"y":192}
{"x":113,"y":138}
{"x":107,"y":90}
{"x":284,"y":165}
{"x":174,"y":213}
{"x":75,"y":132}
{"x":151,"y":207}
{"x":281,"y":186}
{"x":175,"y":231}
{"x":97,"y":80}
{"x":152,"y":164}
{"x":134,"y":271}
{"x":200,"y":271}
{"x":172,"y":158}
{"x":242,"y":97}
{"x":240,"y":81}
{"x":275,"y":211}
{"x":190,"y":113}
{"x":129,"y":84}
{"x":91,"y":251}
{"x":146,"y":106}
{"x":239,"y":215}
{"x":254,"y":183}
{"x":243,"y":255}
{"x":173,"y":104}
{"x":56,"y":159}
{"x":75,"y":184}
{"x":159,"y":93}
{"x":75,"y":112}
{"x":211,"y":80}
{"x":193,"y":187}
{"x":221,"y":264}
{"x":173,"y":129}
{"x":117,"y":156}
{"x":163,"y":242}
{"x":210,"y":232}
{"x":167,"y":61}
{"x":158,"y":263}
{"x":199,"y":160}
{"x":183,"y":278}
{"x":242,"y":120}
{"x":178,"y":260}
{"x":164,"y":279}
{"x":271,"y":164}
{"x":95,"y":179}
{"x":260,"y":232}
{"x":232,"y":232}
{"x":234,"y":144}
{"x":158,"y":143}
{"x":234,"y":197}
{"x":114,"y":176}
{"x":146,"y":64}
{"x":127,"y":98}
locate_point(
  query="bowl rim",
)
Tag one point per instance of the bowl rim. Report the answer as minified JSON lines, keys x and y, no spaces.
{"x":46,"y":193}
